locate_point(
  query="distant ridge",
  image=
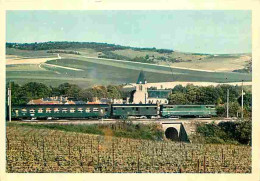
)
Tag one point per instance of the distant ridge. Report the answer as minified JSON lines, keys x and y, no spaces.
{"x":67,"y":44}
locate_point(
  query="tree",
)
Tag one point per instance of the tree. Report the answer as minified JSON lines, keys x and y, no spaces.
{"x":113,"y":92}
{"x":193,"y":94}
{"x":208,"y":95}
{"x":179,"y":88}
{"x":17,"y":95}
{"x":178,"y":98}
{"x":244,"y":132}
{"x":234,"y":108}
{"x":99,"y":91}
{"x":34,"y":90}
{"x":86,"y":95}
{"x":221,"y":111}
{"x":247,"y":100}
{"x":70,"y":90}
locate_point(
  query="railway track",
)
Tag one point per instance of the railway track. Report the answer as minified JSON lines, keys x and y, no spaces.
{"x":134,"y":121}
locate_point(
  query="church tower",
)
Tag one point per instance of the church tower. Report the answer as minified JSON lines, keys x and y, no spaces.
{"x":141,"y":94}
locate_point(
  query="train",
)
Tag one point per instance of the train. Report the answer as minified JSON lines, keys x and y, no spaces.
{"x":113,"y":111}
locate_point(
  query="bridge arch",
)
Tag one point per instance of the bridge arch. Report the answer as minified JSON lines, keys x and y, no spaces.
{"x":172,"y":134}
{"x":175,"y":131}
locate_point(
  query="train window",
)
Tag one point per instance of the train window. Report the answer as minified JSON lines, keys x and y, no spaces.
{"x":155,"y":108}
{"x":137,"y":109}
{"x":48,"y":110}
{"x":123,"y":108}
{"x":24,"y":110}
{"x":87,"y":109}
{"x":64,"y":110}
{"x":95,"y":109}
{"x":114,"y":108}
{"x":106,"y":109}
{"x":32,"y":110}
{"x":72,"y":110}
{"x":40,"y":110}
{"x":147,"y":107}
{"x":80,"y":110}
{"x":56,"y":110}
{"x":133,"y":108}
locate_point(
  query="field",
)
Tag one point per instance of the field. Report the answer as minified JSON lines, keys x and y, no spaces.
{"x":218,"y":63}
{"x":207,"y":62}
{"x":86,"y":70}
{"x":44,"y":150}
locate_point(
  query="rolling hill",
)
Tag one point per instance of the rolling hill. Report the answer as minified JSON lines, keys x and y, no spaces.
{"x":109,"y":65}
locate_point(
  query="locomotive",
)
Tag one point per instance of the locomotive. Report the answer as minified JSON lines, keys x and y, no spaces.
{"x":114,"y":111}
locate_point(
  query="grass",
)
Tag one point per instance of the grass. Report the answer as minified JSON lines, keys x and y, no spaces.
{"x":120,"y":129}
{"x":26,"y":53}
{"x":24,"y":67}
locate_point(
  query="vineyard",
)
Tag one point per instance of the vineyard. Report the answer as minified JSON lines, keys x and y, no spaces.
{"x":45,"y":150}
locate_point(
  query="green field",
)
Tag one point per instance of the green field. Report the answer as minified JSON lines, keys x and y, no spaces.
{"x":27,"y":53}
{"x":97,"y":71}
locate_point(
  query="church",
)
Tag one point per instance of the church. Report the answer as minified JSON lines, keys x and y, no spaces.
{"x":145,"y":95}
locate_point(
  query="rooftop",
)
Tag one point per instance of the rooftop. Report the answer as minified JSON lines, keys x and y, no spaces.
{"x":141,"y":79}
{"x":159,"y":93}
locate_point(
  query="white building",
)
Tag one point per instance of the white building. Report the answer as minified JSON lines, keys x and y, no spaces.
{"x":144,"y":96}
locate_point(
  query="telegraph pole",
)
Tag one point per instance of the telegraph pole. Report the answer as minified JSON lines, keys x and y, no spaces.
{"x":227,"y":103}
{"x":10,"y":101}
{"x":242,"y":102}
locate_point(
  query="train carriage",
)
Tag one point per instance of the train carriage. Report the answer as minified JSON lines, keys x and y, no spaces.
{"x":117,"y":111}
{"x":58,"y":111}
{"x":187,"y":111}
{"x":136,"y":110}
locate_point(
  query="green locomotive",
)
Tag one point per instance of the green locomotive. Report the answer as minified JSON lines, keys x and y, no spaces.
{"x":187,"y":111}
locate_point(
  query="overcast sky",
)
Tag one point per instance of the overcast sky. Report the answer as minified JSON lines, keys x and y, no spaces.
{"x":188,"y":31}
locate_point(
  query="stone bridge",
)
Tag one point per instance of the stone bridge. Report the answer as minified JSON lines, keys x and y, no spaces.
{"x":175,"y":131}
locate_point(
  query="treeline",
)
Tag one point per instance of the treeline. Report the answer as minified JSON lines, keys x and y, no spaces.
{"x":239,"y":132}
{"x":63,"y":51}
{"x":191,"y":94}
{"x":22,"y":94}
{"x":75,"y":45}
{"x":111,"y":55}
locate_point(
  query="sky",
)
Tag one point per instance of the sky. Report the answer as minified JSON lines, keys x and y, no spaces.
{"x":200,"y":31}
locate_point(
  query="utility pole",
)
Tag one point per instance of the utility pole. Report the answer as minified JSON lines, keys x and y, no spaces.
{"x":242,"y":102}
{"x":227,"y":103}
{"x":10,"y":101}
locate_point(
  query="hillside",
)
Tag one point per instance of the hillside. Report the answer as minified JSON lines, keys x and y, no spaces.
{"x":88,"y":64}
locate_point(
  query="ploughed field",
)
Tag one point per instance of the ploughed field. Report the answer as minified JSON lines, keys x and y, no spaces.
{"x":45,"y":150}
